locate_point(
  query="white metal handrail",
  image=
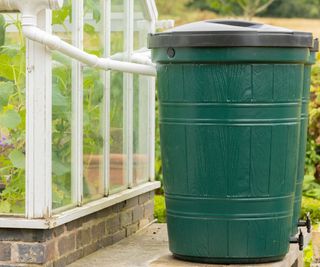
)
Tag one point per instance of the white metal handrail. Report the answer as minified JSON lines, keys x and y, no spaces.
{"x":29,"y":9}
{"x":142,"y":56}
{"x":33,"y":33}
{"x":29,"y":6}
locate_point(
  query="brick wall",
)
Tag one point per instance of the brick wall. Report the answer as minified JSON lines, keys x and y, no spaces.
{"x":74,"y":240}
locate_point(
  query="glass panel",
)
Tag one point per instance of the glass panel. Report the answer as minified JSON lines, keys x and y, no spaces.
{"x":93,"y":95}
{"x":117,"y":155}
{"x":141,"y":101}
{"x":118,"y":178}
{"x":141,"y":130}
{"x":117,"y":29}
{"x":12,"y":115}
{"x":141,"y":25}
{"x":61,"y":112}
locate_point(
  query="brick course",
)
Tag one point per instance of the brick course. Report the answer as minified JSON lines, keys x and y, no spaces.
{"x":69,"y":242}
{"x":5,"y":252}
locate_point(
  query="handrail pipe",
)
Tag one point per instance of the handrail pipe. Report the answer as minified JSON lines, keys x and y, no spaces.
{"x":29,"y":10}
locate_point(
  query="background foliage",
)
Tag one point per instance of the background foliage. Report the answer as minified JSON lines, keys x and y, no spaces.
{"x":266,"y":8}
{"x":185,"y":11}
{"x":12,"y":118}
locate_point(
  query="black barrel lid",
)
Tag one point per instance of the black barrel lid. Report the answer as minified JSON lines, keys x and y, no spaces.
{"x":230,"y":33}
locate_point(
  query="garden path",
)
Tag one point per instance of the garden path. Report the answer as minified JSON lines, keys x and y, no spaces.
{"x":149,"y":248}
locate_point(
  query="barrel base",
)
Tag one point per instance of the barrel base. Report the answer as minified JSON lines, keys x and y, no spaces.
{"x":228,"y":260}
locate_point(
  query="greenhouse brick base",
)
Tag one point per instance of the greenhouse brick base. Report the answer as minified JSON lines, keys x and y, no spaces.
{"x":69,"y":242}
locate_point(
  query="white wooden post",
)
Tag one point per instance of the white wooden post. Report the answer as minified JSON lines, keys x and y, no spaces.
{"x":152,"y":127}
{"x":152,"y":100}
{"x":106,"y":28}
{"x":128,"y":89}
{"x":38,"y":125}
{"x":77,"y":106}
{"x":151,"y":9}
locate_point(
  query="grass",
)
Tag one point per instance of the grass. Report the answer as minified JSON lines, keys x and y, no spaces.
{"x":160,"y":209}
{"x":310,"y":25}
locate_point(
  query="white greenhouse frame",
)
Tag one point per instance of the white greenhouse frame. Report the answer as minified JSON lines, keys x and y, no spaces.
{"x":38,"y":209}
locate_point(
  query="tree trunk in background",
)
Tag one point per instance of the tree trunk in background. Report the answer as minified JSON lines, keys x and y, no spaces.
{"x":253,"y":7}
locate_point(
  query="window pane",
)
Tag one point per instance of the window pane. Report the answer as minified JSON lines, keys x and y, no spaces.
{"x":141,"y":25}
{"x":118,"y":178}
{"x":61,"y":113}
{"x":141,"y":92}
{"x":141,"y":130}
{"x":117,"y":154}
{"x":117,"y":28}
{"x":12,"y":115}
{"x":93,"y":99}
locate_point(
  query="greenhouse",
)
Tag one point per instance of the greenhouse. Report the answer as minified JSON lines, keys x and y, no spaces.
{"x":76,"y":119}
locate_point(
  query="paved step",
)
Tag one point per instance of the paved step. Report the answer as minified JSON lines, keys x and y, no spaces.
{"x":149,"y":248}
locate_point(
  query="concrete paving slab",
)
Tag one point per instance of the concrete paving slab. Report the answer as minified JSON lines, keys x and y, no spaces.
{"x":149,"y":248}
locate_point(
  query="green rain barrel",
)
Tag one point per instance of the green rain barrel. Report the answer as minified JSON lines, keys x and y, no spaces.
{"x":230,"y":103}
{"x":303,"y":137}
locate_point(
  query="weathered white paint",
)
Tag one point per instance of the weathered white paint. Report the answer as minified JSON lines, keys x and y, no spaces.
{"x":106,"y":22}
{"x":55,"y":43}
{"x":77,"y":106}
{"x":128,"y":90}
{"x":78,"y":212}
{"x":151,"y":9}
{"x":152,"y":99}
{"x":142,"y":56}
{"x":38,"y":125}
{"x":152,"y":127}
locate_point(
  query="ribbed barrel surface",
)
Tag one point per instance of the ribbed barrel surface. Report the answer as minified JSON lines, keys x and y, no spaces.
{"x":229,"y":139}
{"x":303,"y":142}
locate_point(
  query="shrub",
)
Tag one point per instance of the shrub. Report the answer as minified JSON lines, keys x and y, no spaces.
{"x":313,"y":206}
{"x":160,"y":209}
{"x":313,"y":145}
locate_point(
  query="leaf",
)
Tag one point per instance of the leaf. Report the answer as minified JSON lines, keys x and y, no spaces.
{"x":2,"y":30}
{"x":6,"y":89}
{"x":59,"y":169}
{"x":18,"y":159}
{"x":6,"y":67}
{"x":96,"y":14}
{"x":59,"y":16}
{"x":92,"y":6}
{"x":10,"y":119}
{"x":5,"y":206}
{"x":2,"y":20}
{"x":57,"y":98}
{"x":89,"y":28}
